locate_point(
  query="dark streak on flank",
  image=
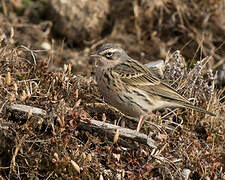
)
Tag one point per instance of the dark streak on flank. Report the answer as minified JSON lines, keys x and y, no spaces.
{"x":145,"y":110}
{"x":127,"y":90}
{"x":149,"y":102}
{"x":107,"y":86}
{"x":121,"y":98}
{"x":139,"y":94}
{"x":110,"y":70}
{"x":127,"y":97}
{"x":107,"y":77}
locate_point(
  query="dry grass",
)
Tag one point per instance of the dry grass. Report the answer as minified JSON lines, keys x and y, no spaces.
{"x":52,"y":147}
{"x":190,"y":144}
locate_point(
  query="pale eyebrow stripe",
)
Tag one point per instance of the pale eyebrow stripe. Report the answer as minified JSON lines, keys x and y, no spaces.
{"x":109,"y":50}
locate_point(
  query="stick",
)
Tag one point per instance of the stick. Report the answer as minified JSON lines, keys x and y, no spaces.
{"x":92,"y":126}
{"x":110,"y":130}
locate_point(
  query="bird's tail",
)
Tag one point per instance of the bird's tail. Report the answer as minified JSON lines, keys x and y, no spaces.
{"x":190,"y":106}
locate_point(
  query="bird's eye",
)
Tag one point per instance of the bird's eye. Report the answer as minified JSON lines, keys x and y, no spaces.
{"x":109,"y":54}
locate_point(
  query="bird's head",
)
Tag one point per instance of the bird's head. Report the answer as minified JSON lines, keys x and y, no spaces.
{"x":110,"y":55}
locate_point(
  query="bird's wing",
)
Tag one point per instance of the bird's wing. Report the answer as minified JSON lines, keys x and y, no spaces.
{"x":134,"y":74}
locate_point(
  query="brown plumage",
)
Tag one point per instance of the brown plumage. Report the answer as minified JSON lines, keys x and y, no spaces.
{"x":133,"y":88}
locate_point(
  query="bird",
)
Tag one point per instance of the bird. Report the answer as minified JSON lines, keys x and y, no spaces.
{"x":133,"y":88}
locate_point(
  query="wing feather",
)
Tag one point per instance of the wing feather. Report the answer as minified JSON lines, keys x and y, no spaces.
{"x":137,"y":75}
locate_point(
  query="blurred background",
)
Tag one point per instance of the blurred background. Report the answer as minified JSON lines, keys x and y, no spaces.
{"x":70,"y":30}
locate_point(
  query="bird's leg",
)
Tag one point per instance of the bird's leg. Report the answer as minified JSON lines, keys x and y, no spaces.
{"x":140,"y":122}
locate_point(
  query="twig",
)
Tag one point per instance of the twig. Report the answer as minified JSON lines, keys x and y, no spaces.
{"x":93,"y":126}
{"x":18,"y":146}
{"x":26,"y":109}
{"x":110,"y":129}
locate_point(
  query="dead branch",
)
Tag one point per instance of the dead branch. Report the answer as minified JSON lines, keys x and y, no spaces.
{"x":110,"y":130}
{"x":92,"y":126}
